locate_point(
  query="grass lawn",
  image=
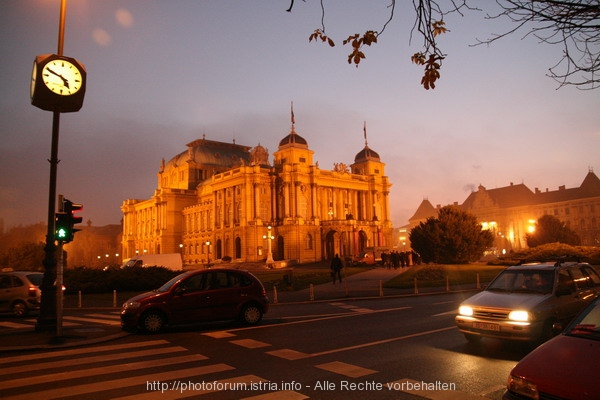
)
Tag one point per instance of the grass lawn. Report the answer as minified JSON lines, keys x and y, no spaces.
{"x":434,"y":275}
{"x":301,"y":276}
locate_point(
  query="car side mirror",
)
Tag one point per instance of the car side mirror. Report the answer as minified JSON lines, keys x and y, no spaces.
{"x":557,"y":328}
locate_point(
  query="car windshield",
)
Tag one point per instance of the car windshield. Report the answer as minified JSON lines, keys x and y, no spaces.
{"x":539,"y":281}
{"x":587,"y":324}
{"x":167,"y":286}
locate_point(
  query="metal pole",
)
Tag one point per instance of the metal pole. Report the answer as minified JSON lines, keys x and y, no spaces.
{"x":47,"y":317}
{"x":59,"y":292}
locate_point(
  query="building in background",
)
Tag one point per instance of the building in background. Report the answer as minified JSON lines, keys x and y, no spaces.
{"x":224,"y":200}
{"x":512,"y":211}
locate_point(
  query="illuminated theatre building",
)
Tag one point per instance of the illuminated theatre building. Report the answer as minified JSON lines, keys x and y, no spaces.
{"x":219,"y":200}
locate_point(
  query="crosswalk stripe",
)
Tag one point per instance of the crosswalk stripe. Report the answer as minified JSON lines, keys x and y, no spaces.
{"x":89,"y":360}
{"x":14,"y":325}
{"x":282,"y":395}
{"x":86,"y":350}
{"x":82,"y":373}
{"x":114,"y":315}
{"x":94,"y":320}
{"x":140,"y":381}
{"x":352,"y":371}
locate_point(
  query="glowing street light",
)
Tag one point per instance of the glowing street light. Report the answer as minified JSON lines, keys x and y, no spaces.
{"x":207,"y":243}
{"x":269,"y":237}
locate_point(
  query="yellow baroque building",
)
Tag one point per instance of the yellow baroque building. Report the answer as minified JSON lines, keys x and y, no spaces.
{"x":224,"y":200}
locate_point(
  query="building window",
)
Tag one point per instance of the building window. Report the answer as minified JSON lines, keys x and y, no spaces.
{"x":309,"y":242}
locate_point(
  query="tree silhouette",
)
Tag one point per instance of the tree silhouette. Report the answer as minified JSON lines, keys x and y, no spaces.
{"x":454,"y":237}
{"x":550,"y":229}
{"x":573,"y":24}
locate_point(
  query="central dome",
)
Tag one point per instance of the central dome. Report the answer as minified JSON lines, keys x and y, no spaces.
{"x":293,"y":139}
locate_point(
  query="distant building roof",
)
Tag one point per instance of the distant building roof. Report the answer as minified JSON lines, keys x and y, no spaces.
{"x":504,"y":197}
{"x":425,"y":210}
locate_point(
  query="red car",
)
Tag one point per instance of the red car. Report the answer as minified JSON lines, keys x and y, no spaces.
{"x":198,"y":296}
{"x":565,"y":367}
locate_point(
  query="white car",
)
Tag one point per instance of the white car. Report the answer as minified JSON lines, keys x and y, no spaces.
{"x":524,"y":301}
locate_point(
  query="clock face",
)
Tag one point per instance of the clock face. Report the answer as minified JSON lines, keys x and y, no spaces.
{"x":62,"y":77}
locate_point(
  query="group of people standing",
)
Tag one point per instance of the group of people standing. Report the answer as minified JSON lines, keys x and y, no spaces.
{"x":396,"y":259}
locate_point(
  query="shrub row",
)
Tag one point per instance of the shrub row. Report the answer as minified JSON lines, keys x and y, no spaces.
{"x":551,"y":252}
{"x":89,"y":280}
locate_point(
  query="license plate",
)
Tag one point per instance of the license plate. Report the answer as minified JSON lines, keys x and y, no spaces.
{"x":486,"y":326}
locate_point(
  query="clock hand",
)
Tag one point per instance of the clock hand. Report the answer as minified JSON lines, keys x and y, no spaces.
{"x":65,"y":81}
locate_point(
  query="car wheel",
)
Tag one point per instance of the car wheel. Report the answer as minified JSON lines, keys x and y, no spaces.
{"x":153,"y":321}
{"x":19,"y":309}
{"x":251,"y":314}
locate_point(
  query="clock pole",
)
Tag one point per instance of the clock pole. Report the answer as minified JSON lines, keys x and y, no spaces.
{"x":47,"y":319}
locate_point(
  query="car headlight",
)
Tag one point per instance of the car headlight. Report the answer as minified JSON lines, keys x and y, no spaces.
{"x":131,"y":306}
{"x":523,"y":387}
{"x":466,"y":311}
{"x":519,"y":315}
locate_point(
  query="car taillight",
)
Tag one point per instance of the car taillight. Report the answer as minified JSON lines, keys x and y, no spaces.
{"x":32,"y":291}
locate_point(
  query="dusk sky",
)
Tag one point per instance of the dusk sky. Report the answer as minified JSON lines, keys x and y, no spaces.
{"x":162,"y":73}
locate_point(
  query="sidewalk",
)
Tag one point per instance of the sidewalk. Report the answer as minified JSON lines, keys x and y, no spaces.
{"x":368,"y":284}
{"x":362,"y":285}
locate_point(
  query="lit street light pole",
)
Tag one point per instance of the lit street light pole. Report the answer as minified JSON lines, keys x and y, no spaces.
{"x":269,"y":237}
{"x":208,"y":254}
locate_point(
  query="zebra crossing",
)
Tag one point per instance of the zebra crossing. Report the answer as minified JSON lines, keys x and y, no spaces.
{"x":111,"y":318}
{"x":151,"y":368}
{"x":142,"y":370}
{"x":138,"y":370}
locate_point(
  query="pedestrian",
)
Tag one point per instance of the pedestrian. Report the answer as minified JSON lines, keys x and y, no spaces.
{"x":336,"y":268}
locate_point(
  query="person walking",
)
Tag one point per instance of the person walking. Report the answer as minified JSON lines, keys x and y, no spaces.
{"x":336,"y":268}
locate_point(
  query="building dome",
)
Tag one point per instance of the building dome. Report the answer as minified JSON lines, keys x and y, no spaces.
{"x":293,"y":139}
{"x":366,"y":154}
{"x":209,"y":152}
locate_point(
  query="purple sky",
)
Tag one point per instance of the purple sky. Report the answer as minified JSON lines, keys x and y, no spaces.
{"x":162,"y":73}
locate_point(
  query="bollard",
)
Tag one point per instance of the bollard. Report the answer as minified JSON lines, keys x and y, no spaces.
{"x":380,"y":288}
{"x":79,"y":304}
{"x":274,"y":294}
{"x":478,"y":284}
{"x":312,"y":292}
{"x":447,"y":283}
{"x":416,"y":288}
{"x":114,"y":298}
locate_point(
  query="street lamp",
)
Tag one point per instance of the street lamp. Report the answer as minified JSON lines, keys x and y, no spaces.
{"x":207,"y":243}
{"x":269,"y":237}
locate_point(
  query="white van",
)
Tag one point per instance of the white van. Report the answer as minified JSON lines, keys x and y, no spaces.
{"x":171,"y":261}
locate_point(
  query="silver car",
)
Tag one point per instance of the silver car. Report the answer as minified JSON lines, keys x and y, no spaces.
{"x":20,"y":292}
{"x":524,"y":301}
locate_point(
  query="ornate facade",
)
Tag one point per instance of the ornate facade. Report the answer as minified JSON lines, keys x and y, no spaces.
{"x":219,"y":200}
{"x":512,"y":211}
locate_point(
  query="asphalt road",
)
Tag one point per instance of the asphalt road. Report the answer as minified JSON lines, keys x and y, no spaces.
{"x":391,"y":348}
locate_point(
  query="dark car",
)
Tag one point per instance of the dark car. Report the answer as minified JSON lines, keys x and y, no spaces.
{"x":565,"y":367}
{"x":524,"y":301}
{"x":20,"y":292}
{"x":198,"y":296}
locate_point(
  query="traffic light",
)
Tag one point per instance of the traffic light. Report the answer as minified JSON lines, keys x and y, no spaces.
{"x":62,"y":228}
{"x":65,"y":221}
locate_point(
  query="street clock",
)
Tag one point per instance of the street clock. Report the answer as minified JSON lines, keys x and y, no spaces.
{"x":57,"y":83}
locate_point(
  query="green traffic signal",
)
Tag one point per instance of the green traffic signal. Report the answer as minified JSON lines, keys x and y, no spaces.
{"x":62,"y":229}
{"x":65,"y":221}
